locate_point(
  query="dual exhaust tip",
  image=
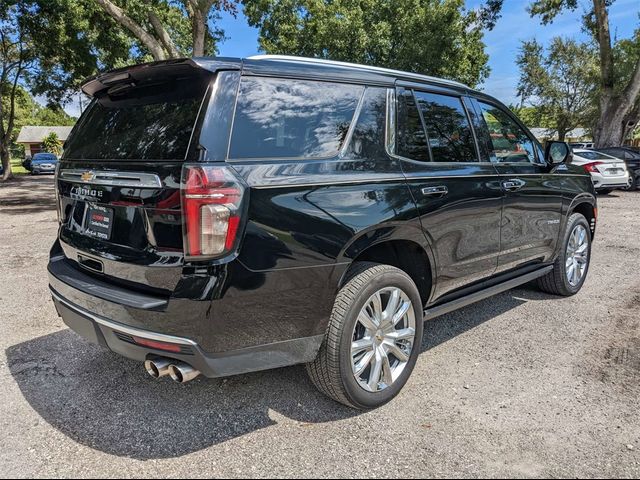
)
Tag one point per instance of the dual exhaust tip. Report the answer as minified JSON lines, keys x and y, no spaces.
{"x":179,"y":372}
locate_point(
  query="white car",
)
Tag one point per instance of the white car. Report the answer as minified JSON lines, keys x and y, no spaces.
{"x":607,"y":172}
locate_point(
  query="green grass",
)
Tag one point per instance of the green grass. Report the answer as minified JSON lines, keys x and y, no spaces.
{"x":17,"y":168}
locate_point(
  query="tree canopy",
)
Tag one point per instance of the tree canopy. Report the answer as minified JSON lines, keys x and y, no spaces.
{"x":435,"y":37}
{"x":559,"y":81}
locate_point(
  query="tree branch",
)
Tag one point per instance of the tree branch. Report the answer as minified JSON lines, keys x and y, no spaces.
{"x":154,"y":46}
{"x":632,"y":90}
{"x":604,"y":40}
{"x":163,"y":35}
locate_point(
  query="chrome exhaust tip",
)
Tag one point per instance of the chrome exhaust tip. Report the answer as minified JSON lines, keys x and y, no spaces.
{"x":182,"y":373}
{"x":157,"y":367}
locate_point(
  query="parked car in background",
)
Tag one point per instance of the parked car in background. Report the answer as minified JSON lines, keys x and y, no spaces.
{"x":607,"y":172}
{"x":308,"y":212}
{"x":44,"y":163}
{"x":581,"y":144}
{"x":631,"y":157}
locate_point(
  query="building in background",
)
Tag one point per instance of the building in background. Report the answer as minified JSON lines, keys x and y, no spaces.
{"x":31,"y":137}
{"x":576,"y":135}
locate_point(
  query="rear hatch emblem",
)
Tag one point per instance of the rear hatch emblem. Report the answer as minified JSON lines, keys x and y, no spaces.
{"x":87,"y":176}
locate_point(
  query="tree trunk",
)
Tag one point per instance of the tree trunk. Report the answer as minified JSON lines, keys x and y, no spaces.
{"x":6,"y":162}
{"x":198,"y":11}
{"x":610,"y":127}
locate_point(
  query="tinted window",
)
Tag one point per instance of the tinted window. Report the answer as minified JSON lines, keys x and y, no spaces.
{"x":277,"y":118}
{"x":412,"y":141}
{"x":369,"y":134}
{"x":509,"y":142}
{"x":147,"y":122}
{"x":593,"y":155}
{"x":448,"y":129}
{"x":39,"y":157}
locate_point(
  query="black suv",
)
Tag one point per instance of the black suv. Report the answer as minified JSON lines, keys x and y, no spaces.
{"x":221,"y":216}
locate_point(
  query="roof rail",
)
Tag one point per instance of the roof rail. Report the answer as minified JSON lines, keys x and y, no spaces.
{"x":321,"y":61}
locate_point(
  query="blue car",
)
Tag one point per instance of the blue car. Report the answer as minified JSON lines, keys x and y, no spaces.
{"x":44,"y":163}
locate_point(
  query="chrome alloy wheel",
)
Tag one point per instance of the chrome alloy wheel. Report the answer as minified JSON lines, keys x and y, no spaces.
{"x":577,"y":255}
{"x":383,"y":339}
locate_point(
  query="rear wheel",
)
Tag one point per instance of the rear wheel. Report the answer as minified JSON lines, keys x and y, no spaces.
{"x":572,"y":265}
{"x":373,"y":338}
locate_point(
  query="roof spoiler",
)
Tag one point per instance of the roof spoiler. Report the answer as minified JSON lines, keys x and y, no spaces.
{"x":175,"y":68}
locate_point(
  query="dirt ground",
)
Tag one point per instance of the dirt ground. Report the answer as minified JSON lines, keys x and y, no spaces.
{"x":520,"y":385}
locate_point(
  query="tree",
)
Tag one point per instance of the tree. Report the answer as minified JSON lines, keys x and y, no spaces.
{"x":51,"y":143}
{"x":162,"y":26}
{"x":49,"y":46}
{"x":616,"y":102}
{"x":30,"y":112}
{"x":14,"y":59}
{"x":626,"y":52}
{"x":435,"y":37}
{"x":560,"y":82}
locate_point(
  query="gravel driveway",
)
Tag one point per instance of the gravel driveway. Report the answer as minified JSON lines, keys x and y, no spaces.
{"x":523,"y":384}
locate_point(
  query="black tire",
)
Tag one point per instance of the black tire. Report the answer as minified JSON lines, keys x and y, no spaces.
{"x":556,"y":281}
{"x":331,"y":371}
{"x":604,"y":191}
{"x":633,"y":184}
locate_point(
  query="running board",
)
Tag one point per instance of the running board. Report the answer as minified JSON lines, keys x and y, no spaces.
{"x":433,"y":312}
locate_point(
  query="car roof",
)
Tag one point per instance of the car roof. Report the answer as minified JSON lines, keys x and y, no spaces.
{"x":272,"y":65}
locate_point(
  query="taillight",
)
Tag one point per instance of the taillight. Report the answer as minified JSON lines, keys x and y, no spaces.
{"x":591,"y":167}
{"x":211,"y":202}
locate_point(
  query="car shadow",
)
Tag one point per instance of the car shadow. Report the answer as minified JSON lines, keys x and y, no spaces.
{"x":109,"y":403}
{"x":446,"y":327}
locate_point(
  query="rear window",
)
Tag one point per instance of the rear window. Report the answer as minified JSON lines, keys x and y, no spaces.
{"x":44,"y":157}
{"x":593,"y":155}
{"x":284,"y":118}
{"x":149,"y":122}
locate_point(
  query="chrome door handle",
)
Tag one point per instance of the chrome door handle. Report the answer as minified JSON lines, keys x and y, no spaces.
{"x":439,"y":191}
{"x":512,"y":185}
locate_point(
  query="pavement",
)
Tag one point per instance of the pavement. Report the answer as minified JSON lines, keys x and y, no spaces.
{"x":520,"y":385}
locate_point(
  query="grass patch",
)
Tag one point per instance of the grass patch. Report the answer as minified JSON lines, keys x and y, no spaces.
{"x":17,"y":168}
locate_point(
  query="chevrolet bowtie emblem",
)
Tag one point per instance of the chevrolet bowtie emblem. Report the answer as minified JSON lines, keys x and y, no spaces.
{"x":87,"y":176}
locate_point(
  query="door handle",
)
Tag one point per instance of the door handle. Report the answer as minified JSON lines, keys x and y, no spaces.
{"x":514,"y":184}
{"x":439,"y":191}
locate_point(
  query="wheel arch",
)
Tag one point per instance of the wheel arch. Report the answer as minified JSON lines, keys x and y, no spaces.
{"x":401,"y":246}
{"x":586,"y":205}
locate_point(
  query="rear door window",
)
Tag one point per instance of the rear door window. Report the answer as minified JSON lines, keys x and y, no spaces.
{"x":287,"y":118}
{"x":448,"y":130}
{"x":412,"y":140}
{"x":148,"y":122}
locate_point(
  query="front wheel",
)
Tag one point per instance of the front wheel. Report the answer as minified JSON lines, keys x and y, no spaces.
{"x":572,"y":265}
{"x":373,"y":338}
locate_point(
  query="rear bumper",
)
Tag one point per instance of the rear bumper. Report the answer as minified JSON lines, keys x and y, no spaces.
{"x":245,"y":330}
{"x":119,"y":338}
{"x":603,"y":181}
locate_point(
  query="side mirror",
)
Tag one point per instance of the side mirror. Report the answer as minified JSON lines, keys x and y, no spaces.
{"x":558,"y":152}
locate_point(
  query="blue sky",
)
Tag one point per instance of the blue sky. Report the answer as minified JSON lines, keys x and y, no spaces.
{"x":502,"y":42}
